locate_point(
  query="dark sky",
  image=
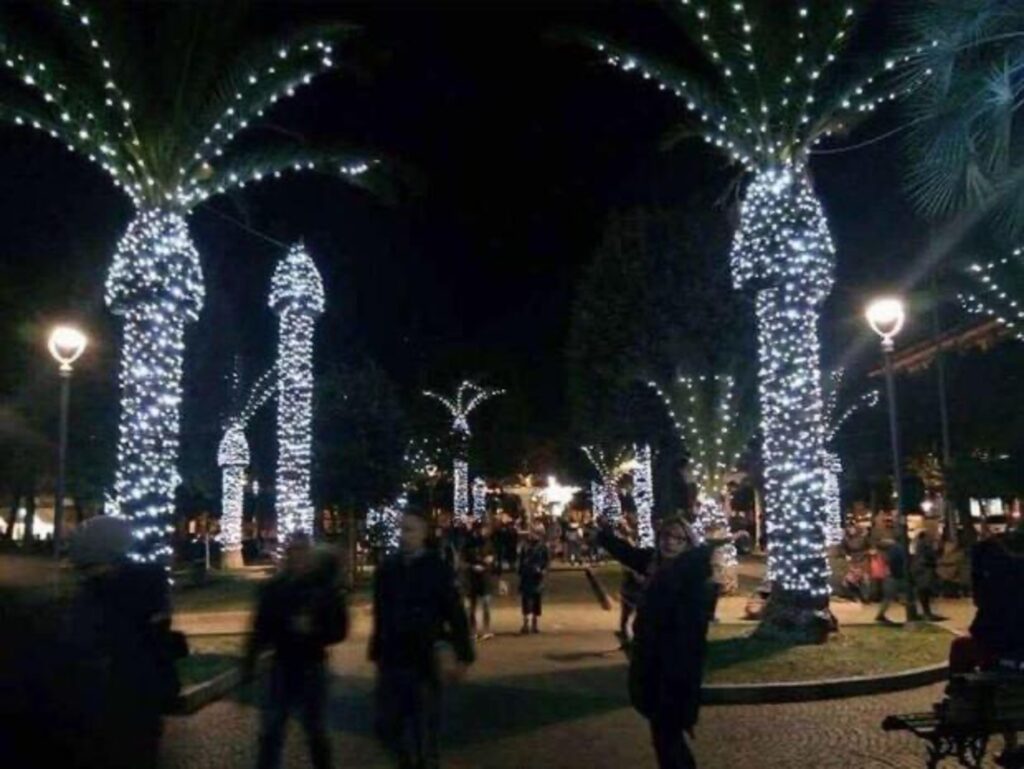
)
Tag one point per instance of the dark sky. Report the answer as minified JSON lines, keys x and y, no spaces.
{"x":521,"y":144}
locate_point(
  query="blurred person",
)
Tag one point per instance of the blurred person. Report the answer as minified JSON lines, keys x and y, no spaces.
{"x":669,"y":634}
{"x":533,"y":567}
{"x":894,"y":581}
{"x":120,"y":649}
{"x":417,"y":615}
{"x":924,"y":565}
{"x":299,"y":613}
{"x":629,"y":592}
{"x":479,"y":562}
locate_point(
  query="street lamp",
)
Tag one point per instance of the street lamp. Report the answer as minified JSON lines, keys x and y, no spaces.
{"x":66,"y":345}
{"x":886,"y":317}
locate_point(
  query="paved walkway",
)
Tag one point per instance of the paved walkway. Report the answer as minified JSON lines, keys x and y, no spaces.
{"x":557,"y":701}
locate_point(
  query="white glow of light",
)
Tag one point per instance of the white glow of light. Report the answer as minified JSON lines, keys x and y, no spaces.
{"x":479,"y":499}
{"x":297,"y":296}
{"x":886,"y":317}
{"x":382,"y":525}
{"x":66,"y":345}
{"x":605,"y":495}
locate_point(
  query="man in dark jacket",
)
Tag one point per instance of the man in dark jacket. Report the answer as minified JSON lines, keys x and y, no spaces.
{"x":118,"y":644}
{"x":479,"y":561}
{"x":417,"y":610}
{"x":300,"y":611}
{"x":669,"y":634}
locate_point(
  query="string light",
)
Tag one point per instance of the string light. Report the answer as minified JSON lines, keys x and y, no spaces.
{"x":467,"y":398}
{"x":297,"y":296}
{"x":155,"y":285}
{"x":643,"y":495}
{"x":831,"y":462}
{"x":992,"y":297}
{"x":233,"y":459}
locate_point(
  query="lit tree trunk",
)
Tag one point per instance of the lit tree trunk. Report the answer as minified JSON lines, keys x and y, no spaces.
{"x":784,"y":252}
{"x":643,"y":495}
{"x":155,"y":285}
{"x":233,"y":458}
{"x":297,"y":296}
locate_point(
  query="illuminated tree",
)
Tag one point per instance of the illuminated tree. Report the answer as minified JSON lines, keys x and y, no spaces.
{"x":770,"y":88}
{"x":710,"y":419}
{"x":611,"y":466}
{"x":466,"y":399}
{"x":297,"y":296}
{"x":162,"y":124}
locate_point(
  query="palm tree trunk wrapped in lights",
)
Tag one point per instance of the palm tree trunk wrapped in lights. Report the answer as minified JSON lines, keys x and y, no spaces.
{"x":155,"y":285}
{"x":783,"y":251}
{"x":233,"y":458}
{"x":297,"y":296}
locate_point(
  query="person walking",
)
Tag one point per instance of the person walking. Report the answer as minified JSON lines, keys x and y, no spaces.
{"x":533,"y":567}
{"x":118,"y":643}
{"x":894,"y":583}
{"x":666,"y":657}
{"x":417,"y":614}
{"x":479,"y":583}
{"x":299,"y":613}
{"x":926,"y":573}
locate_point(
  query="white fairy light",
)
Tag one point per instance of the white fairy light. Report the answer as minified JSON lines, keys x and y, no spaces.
{"x":467,"y":397}
{"x":155,"y":285}
{"x":233,"y":459}
{"x":297,"y":296}
{"x":479,"y":498}
{"x":382,"y":524}
{"x":643,"y":495}
{"x":610,"y":469}
{"x":784,"y":252}
{"x":998,"y":294}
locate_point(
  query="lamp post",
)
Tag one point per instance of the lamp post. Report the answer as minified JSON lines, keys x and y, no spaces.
{"x":66,"y":345}
{"x":886,"y":317}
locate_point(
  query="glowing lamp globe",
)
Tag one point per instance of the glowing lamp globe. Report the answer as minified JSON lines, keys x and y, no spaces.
{"x":886,"y":317}
{"x":66,"y":345}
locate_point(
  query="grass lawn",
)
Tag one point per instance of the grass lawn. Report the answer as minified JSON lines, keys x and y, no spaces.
{"x":857,"y":650}
{"x":210,"y":656}
{"x":220,"y":592}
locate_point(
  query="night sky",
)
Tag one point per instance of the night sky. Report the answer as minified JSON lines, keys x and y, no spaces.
{"x":518,"y":144}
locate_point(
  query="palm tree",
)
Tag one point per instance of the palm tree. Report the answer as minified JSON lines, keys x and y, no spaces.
{"x":171,"y":125}
{"x":966,"y":142}
{"x":766,"y":83}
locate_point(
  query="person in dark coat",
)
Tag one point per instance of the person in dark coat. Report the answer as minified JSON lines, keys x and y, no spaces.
{"x":299,"y":612}
{"x":417,"y":616}
{"x":118,"y":642}
{"x":669,"y":634}
{"x":925,"y":567}
{"x":479,"y":561}
{"x":533,"y":567}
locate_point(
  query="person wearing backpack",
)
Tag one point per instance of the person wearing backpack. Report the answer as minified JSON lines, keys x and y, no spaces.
{"x":300,"y":612}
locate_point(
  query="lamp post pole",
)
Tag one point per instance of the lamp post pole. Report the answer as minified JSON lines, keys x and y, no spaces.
{"x":897,"y":479}
{"x":66,"y":344}
{"x":62,"y":456}
{"x":886,"y":317}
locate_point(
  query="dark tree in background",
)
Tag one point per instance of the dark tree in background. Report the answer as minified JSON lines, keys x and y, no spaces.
{"x":360,"y":435}
{"x":655,"y":300}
